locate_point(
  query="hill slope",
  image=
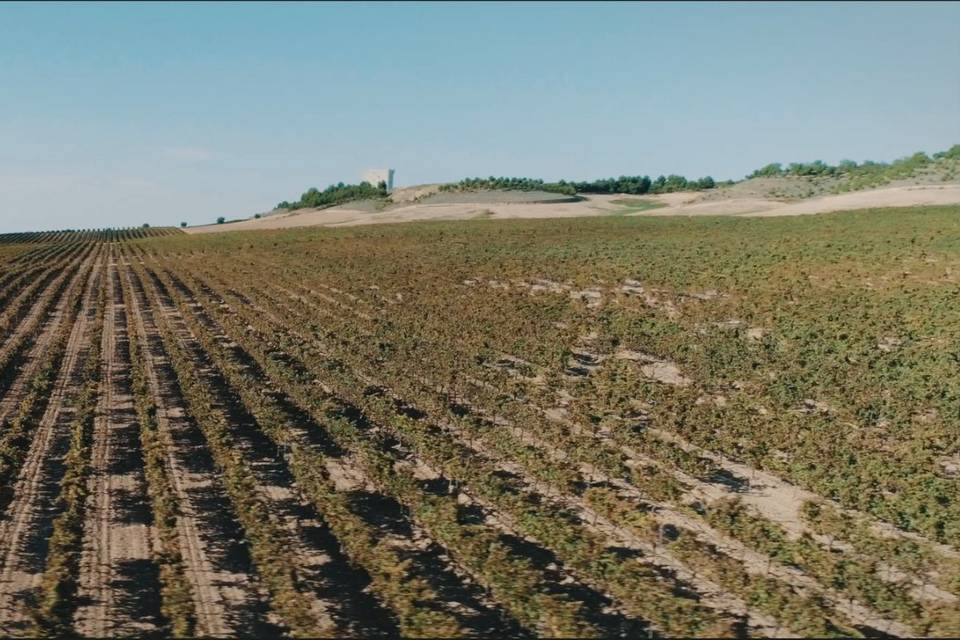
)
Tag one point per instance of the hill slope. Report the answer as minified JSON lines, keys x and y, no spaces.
{"x":751,"y":198}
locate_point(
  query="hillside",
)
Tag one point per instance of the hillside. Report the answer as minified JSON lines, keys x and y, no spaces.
{"x":745,"y":199}
{"x":771,"y":191}
{"x":944,"y":169}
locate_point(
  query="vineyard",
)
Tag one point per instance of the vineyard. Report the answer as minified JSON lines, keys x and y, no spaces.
{"x":585,"y":427}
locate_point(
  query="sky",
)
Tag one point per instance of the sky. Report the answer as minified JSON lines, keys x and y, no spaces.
{"x":121,"y":114}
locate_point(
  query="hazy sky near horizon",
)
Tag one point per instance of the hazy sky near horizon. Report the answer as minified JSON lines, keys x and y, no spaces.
{"x":119,"y":114}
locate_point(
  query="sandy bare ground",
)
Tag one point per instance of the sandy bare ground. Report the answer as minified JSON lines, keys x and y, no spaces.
{"x":681,"y":203}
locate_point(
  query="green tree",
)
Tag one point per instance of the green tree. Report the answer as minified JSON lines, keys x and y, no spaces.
{"x":221,"y":220}
{"x":771,"y":170}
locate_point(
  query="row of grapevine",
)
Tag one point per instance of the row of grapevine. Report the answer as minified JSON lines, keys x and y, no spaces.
{"x":86,"y":235}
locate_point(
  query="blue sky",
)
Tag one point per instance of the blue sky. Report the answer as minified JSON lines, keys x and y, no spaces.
{"x":119,"y":114}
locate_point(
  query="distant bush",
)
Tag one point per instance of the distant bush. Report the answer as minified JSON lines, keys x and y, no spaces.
{"x":221,"y":220}
{"x":336,"y":194}
{"x":183,"y":224}
{"x":953,"y":153}
{"x":146,"y":225}
{"x":256,"y":216}
{"x":771,"y":170}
